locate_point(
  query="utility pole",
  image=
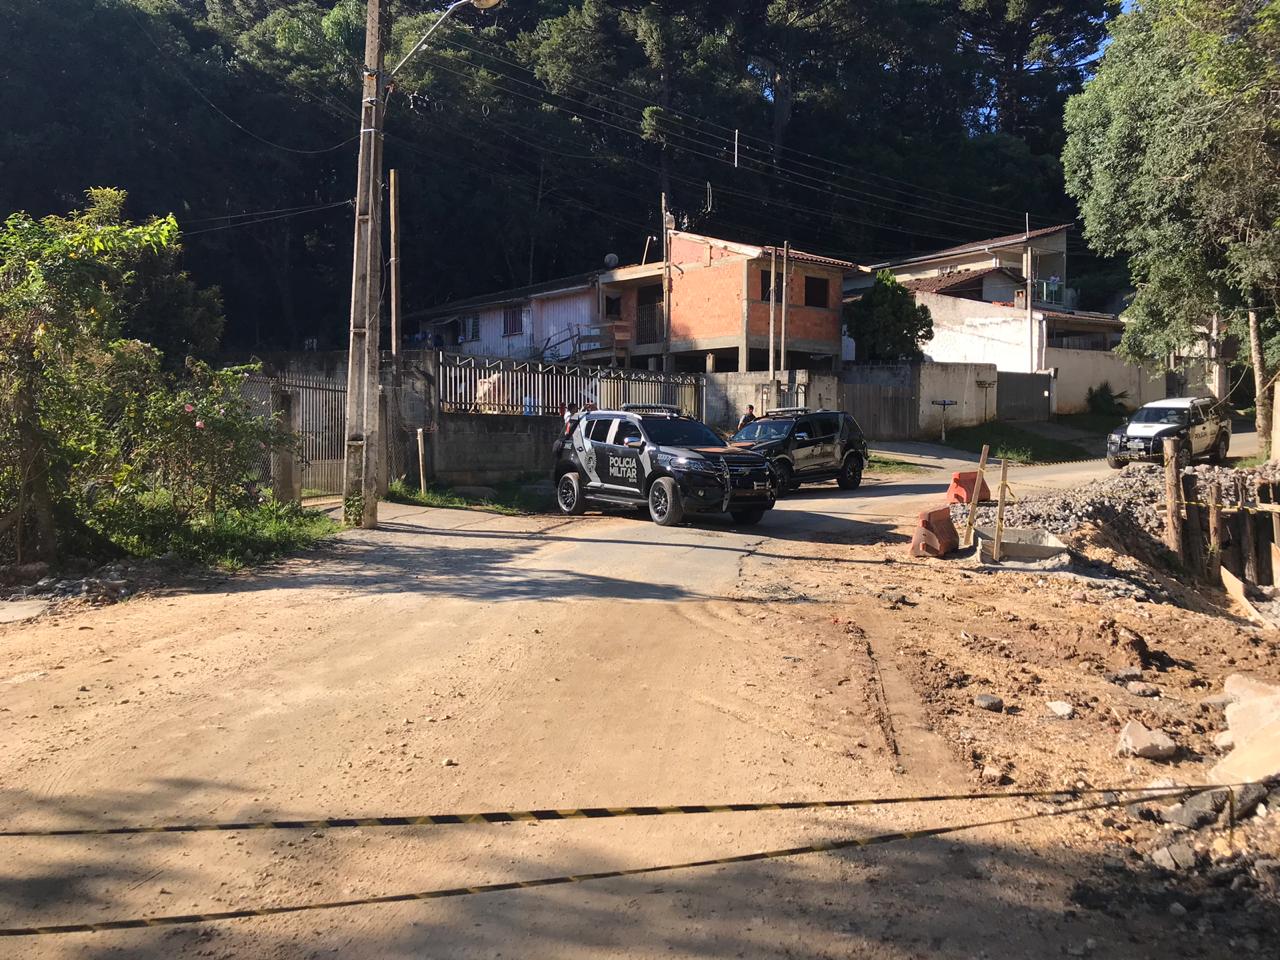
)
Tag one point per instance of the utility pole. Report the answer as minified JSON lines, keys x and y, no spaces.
{"x":786,"y":273}
{"x":360,"y":488}
{"x":395,"y":265}
{"x":773,"y":314}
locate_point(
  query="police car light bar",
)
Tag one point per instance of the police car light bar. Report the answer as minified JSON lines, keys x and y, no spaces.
{"x":786,"y":410}
{"x":651,"y":407}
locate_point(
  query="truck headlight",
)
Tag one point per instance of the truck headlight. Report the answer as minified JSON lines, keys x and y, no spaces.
{"x":696,"y":464}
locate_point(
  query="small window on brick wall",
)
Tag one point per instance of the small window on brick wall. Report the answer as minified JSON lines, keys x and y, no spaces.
{"x":817,"y":292}
{"x":765,"y":277}
{"x":512,"y":321}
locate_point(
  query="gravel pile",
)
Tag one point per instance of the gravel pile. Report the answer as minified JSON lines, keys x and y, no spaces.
{"x":1132,"y":497}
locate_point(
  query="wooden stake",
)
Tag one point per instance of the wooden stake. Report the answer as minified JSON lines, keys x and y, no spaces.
{"x":1004,"y":486}
{"x":1192,"y":534}
{"x":977,"y":494}
{"x":1172,"y":496}
{"x":1213,"y":562}
{"x":422,"y":460}
{"x":1249,"y":538}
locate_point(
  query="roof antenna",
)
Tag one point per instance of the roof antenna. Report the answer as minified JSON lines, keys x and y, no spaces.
{"x":735,"y":148}
{"x":1027,"y":231}
{"x":711,"y":204}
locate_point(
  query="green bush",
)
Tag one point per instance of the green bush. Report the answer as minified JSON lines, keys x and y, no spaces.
{"x":1103,"y":401}
{"x":103,"y":449}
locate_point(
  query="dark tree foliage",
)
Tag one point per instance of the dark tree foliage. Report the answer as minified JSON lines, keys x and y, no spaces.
{"x":536,"y":139}
{"x":887,"y":323}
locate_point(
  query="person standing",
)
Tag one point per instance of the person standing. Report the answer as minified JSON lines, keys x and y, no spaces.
{"x":747,"y":417}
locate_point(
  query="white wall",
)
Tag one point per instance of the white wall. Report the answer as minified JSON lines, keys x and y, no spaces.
{"x":544,"y":318}
{"x":1078,"y":370}
{"x":969,"y":331}
{"x":999,"y":286}
{"x":958,"y":382}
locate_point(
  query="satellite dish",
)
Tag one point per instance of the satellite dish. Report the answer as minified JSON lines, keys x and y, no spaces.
{"x":611,"y":260}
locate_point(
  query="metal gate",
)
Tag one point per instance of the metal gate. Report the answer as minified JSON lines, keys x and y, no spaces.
{"x":1022,"y":396}
{"x":320,"y":407}
{"x":885,"y":412}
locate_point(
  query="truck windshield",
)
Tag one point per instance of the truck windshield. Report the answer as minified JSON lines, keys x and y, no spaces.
{"x":681,"y":433}
{"x":764,"y":430}
{"x":1170,"y":415}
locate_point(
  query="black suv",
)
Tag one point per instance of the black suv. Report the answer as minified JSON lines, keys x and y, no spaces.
{"x":651,"y":456}
{"x":806,"y":446}
{"x":1200,"y":424}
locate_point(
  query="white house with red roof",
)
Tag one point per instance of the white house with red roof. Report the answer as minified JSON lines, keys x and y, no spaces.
{"x":1008,"y":301}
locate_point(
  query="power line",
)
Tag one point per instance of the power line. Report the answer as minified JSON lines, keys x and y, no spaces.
{"x":252,"y":223}
{"x":222,"y":113}
{"x":820,"y":187}
{"x":700,"y":123}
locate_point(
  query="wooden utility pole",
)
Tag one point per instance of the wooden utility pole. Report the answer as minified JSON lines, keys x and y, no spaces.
{"x":360,"y":488}
{"x":395,"y":265}
{"x":786,"y":272}
{"x":773,"y":313}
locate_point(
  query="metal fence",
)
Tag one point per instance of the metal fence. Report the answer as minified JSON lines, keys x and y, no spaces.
{"x":320,"y":412}
{"x":531,"y":388}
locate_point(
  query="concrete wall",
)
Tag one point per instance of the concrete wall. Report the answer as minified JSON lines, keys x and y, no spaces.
{"x":485,"y":448}
{"x":1078,"y":370}
{"x":729,"y":393}
{"x":959,"y":382}
{"x":968,"y":331}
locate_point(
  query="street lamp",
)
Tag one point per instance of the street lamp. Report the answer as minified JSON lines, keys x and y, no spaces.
{"x":364,"y":441}
{"x":478,"y":4}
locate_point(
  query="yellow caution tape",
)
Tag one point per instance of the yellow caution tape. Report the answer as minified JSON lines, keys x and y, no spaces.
{"x":575,"y":813}
{"x":192,"y":918}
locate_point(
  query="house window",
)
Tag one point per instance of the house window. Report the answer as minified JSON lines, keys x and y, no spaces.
{"x":765,"y":278}
{"x":817,"y":292}
{"x":513,"y":320}
{"x":468,"y":327}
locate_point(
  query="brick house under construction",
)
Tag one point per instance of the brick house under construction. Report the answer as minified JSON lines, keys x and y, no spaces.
{"x":715,"y":314}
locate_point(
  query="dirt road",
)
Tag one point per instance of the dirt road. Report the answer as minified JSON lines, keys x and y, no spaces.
{"x":456,"y":661}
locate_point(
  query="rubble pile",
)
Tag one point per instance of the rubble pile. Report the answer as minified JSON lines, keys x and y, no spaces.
{"x":109,"y":583}
{"x":1134,"y":497}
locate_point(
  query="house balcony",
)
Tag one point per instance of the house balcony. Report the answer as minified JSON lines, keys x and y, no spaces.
{"x":1048,"y":291}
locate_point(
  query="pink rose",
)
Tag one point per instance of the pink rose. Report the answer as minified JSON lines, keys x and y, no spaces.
{"x":199,"y":424}
{"x":189,"y":408}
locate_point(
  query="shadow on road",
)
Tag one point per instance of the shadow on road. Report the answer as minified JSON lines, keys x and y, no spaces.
{"x":950,"y":898}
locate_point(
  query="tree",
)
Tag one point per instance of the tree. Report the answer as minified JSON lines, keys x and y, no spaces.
{"x":60,"y":281}
{"x":887,"y":324}
{"x":1173,"y":151}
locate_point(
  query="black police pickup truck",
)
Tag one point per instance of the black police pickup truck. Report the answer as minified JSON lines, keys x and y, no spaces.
{"x":651,"y":456}
{"x":807,"y":446}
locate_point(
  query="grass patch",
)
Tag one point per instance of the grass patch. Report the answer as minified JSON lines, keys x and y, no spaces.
{"x":879,"y":464}
{"x":1255,"y":461}
{"x":1099,"y":423}
{"x":229,"y":539}
{"x":512,"y":498}
{"x":1014,"y":444}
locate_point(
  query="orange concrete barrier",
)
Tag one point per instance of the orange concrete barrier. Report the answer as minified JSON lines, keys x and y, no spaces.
{"x":961,"y":489}
{"x":935,"y":535}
